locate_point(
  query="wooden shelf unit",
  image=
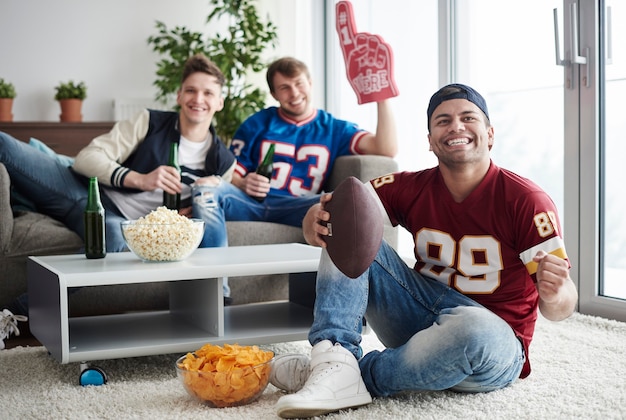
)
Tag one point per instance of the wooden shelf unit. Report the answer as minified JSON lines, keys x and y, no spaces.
{"x":63,"y":138}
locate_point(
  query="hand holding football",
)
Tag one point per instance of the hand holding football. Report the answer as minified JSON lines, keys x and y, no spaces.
{"x":355,"y":228}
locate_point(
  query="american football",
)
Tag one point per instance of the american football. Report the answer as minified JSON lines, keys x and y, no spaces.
{"x":355,"y":228}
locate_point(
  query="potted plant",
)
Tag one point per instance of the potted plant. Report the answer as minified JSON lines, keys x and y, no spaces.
{"x":70,"y":96}
{"x":7,"y":94}
{"x":237,"y":52}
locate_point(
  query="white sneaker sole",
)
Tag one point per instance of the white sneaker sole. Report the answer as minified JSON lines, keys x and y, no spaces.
{"x":304,"y":409}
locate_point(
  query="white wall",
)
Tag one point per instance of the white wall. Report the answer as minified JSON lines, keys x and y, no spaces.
{"x":104,"y":43}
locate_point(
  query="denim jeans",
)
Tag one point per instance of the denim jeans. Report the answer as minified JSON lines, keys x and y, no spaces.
{"x":435,"y":337}
{"x":55,"y":189}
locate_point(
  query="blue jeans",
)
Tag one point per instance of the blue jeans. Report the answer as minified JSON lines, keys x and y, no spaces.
{"x":55,"y":189}
{"x":436,"y":338}
{"x":225,"y":202}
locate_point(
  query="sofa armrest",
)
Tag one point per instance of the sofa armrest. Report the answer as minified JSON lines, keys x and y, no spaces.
{"x":6,"y":213}
{"x":363,"y":167}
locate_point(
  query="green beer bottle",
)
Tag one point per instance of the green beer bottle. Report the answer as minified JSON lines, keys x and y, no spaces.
{"x":266,"y":167}
{"x":95,"y":244}
{"x":172,"y":201}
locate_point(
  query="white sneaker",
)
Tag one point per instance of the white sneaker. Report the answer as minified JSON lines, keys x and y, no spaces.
{"x":290,"y":372}
{"x":334,"y":383}
{"x":8,"y":325}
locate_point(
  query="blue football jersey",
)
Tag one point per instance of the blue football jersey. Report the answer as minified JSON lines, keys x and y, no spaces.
{"x":305,"y":151}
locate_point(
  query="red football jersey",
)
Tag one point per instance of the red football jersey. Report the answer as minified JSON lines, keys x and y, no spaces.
{"x":482,"y":247}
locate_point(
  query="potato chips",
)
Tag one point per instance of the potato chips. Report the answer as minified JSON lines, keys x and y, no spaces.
{"x":225,"y":376}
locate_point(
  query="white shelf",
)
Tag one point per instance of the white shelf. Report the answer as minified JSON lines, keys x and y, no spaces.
{"x":196,"y":315}
{"x":148,"y":333}
{"x":124,"y":267}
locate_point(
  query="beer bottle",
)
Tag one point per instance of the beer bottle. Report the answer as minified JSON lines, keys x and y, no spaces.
{"x":172,"y":201}
{"x":95,"y":244}
{"x":266,"y":167}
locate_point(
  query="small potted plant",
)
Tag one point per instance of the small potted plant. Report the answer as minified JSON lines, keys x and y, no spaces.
{"x":7,"y":93}
{"x":70,"y":96}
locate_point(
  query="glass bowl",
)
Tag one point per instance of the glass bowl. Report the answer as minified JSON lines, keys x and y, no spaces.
{"x":163,"y":241}
{"x":235,"y":387}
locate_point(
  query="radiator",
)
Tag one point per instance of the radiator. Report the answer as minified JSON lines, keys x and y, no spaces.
{"x":124,"y":109}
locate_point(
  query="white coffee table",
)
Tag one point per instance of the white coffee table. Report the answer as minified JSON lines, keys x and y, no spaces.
{"x":196,"y":314}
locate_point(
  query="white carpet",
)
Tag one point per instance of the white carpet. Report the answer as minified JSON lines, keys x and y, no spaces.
{"x":579,"y":372}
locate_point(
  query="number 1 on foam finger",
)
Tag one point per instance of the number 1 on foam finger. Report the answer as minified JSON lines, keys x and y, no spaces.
{"x":345,"y":27}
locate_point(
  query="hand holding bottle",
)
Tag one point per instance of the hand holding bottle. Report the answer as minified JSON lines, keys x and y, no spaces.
{"x":265,"y":170}
{"x":163,"y":177}
{"x":257,"y":186}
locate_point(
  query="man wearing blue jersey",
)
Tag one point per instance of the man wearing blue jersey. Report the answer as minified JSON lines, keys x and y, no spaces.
{"x":307,"y":142}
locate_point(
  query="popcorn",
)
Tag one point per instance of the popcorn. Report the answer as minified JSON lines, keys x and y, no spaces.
{"x":163,"y":235}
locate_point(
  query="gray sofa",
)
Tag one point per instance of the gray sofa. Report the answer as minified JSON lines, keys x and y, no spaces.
{"x":28,"y":233}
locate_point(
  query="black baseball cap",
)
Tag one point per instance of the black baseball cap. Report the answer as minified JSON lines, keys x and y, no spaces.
{"x":456,"y":91}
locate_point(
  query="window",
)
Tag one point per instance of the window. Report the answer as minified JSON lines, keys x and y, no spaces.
{"x":601,"y":235}
{"x":613,"y":151}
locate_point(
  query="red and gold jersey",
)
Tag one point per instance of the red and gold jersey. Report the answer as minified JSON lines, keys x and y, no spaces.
{"x":482,"y":247}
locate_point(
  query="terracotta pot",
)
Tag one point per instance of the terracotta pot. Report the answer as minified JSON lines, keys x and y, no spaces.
{"x":6,"y":106}
{"x":70,"y":110}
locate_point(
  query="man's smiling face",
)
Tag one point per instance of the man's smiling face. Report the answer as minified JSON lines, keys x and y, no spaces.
{"x":200,"y":97}
{"x":460,"y":133}
{"x":294,"y":95}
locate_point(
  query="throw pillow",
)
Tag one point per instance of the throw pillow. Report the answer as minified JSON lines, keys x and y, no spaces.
{"x":38,"y":144}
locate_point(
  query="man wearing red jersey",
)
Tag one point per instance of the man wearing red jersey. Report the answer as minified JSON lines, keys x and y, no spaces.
{"x":489,"y":252}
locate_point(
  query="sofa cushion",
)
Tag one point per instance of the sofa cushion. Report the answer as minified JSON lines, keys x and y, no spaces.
{"x":257,"y":233}
{"x":37,"y":234}
{"x":32,"y":234}
{"x":260,"y":288}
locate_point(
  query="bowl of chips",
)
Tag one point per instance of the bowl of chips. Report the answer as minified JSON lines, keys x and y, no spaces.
{"x":163,"y":235}
{"x":225,"y":376}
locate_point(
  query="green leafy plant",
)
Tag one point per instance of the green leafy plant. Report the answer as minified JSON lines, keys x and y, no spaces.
{"x":237,"y":52}
{"x":7,"y":90}
{"x":70,"y":90}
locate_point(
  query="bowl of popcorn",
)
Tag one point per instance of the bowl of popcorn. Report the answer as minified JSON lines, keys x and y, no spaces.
{"x":225,"y":376}
{"x":163,"y":235}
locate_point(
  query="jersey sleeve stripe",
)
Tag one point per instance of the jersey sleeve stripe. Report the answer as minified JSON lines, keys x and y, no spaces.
{"x":241,"y":170}
{"x":554,"y":246}
{"x":354,"y":144}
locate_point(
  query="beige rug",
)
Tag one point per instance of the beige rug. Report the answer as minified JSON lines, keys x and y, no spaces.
{"x":579,"y":372}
